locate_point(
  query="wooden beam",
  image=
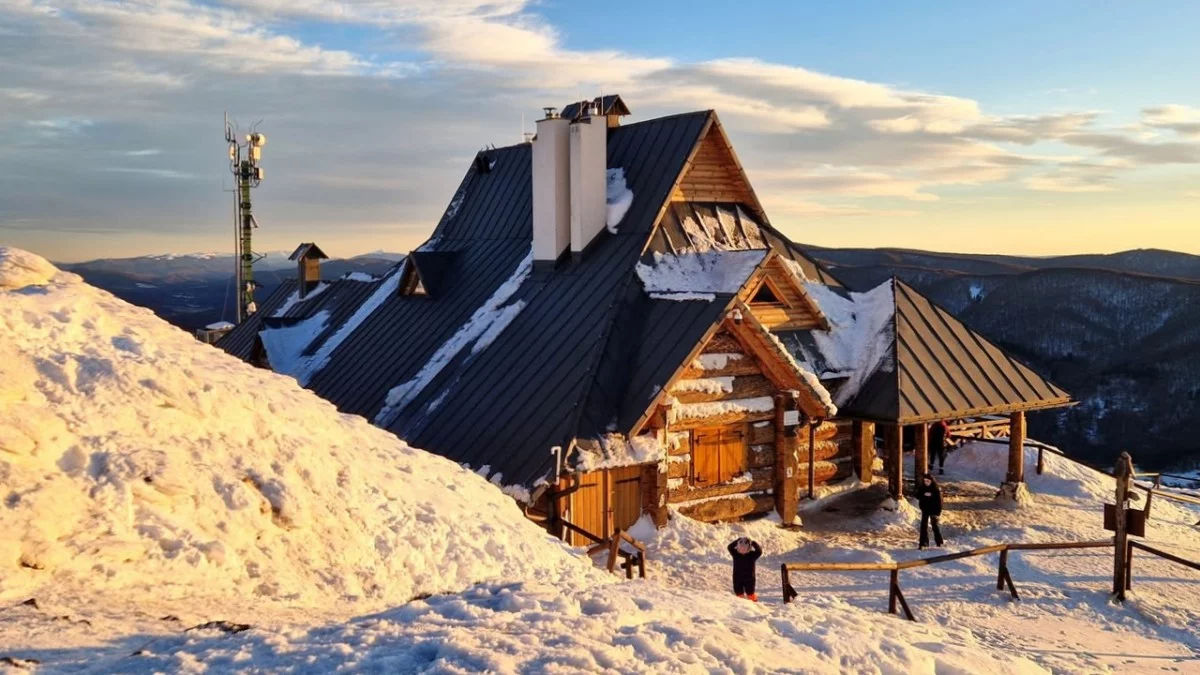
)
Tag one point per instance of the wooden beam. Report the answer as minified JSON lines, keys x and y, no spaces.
{"x":892,"y":443}
{"x":920,"y":450}
{"x":1016,"y":448}
{"x":785,"y":463}
{"x":863,"y":454}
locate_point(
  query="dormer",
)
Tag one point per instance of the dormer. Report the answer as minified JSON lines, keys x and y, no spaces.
{"x":427,"y":273}
{"x":779,"y":299}
{"x":308,"y":257}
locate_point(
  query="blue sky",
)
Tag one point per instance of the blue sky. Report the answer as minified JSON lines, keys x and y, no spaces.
{"x":1019,"y":127}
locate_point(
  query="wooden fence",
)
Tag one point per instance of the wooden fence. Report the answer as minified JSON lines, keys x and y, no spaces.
{"x":896,"y":596}
{"x":629,"y":559}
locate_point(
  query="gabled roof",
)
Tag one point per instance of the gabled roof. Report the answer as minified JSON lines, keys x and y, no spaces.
{"x":933,"y":366}
{"x":609,"y":105}
{"x":488,"y":376}
{"x":308,"y":250}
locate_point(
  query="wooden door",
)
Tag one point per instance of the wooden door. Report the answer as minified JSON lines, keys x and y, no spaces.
{"x":588,"y":506}
{"x":706,"y":457}
{"x":734,"y":453}
{"x":626,"y":493}
{"x":719,"y":455}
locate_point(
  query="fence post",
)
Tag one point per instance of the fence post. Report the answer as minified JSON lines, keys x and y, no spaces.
{"x":1041,"y":465}
{"x":787,"y":586}
{"x":1129,"y":566}
{"x":1123,"y":472}
{"x":893,"y":584}
{"x":1003,"y":569}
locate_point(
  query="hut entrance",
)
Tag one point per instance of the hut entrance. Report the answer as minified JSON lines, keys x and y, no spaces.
{"x":607,"y":500}
{"x":720,"y":455}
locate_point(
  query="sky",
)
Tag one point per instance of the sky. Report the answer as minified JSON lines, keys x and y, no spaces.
{"x":1021,"y":127}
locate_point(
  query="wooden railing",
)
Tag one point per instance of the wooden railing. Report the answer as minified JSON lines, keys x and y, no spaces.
{"x":631,"y":560}
{"x":1151,"y":491}
{"x":1152,"y":550}
{"x":896,"y":596}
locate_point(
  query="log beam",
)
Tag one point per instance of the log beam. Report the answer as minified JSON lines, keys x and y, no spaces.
{"x":863,"y":455}
{"x":1016,"y":448}
{"x":920,"y":450}
{"x":892,"y":442}
{"x":786,"y":478}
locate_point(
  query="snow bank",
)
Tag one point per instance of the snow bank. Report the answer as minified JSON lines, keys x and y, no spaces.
{"x":142,"y":464}
{"x":617,"y":198}
{"x":19,"y":269}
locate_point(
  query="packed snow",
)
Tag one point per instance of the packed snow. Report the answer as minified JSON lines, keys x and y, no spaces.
{"x":704,"y":385}
{"x":285,"y":345}
{"x":141,"y":466}
{"x":484,"y":326}
{"x":308,"y":366}
{"x":617,"y":198}
{"x":175,"y":510}
{"x":617,"y":451}
{"x":687,"y":411}
{"x":358,"y":276}
{"x":715,"y":361}
{"x":859,"y":341}
{"x":698,"y":276}
{"x":294,"y":299}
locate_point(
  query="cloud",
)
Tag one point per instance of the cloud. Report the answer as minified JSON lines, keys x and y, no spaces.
{"x":375,"y":136}
{"x":1181,"y":119}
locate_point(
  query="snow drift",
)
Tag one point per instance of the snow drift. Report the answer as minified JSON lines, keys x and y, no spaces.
{"x":136,"y":459}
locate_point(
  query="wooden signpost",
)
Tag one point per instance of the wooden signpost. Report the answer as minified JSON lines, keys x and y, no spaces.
{"x":1123,"y":472}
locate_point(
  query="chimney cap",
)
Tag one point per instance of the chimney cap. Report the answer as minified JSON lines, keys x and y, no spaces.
{"x":308,"y":250}
{"x":551,"y":112}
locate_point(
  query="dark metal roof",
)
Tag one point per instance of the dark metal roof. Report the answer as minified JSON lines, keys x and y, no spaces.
{"x":699,"y":226}
{"x":507,"y":404}
{"x":339,"y":297}
{"x":434,"y":269}
{"x":945,"y":370}
{"x":239,"y":342}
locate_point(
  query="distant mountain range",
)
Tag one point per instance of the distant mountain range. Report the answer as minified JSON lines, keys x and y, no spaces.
{"x":1121,"y":332}
{"x":195,"y":289}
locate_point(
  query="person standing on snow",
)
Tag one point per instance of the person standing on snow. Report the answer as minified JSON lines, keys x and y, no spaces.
{"x":939,"y":436}
{"x":745,"y":554}
{"x":929,"y":498}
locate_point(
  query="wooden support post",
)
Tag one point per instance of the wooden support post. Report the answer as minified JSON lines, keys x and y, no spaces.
{"x":1016,"y":448}
{"x":1150,"y":495}
{"x":786,"y":463}
{"x":642,"y":565}
{"x":1003,"y":569}
{"x":920,"y":450}
{"x":863,"y":435}
{"x":892,"y":440}
{"x":660,"y":494}
{"x":812,"y":457}
{"x":788,"y":591}
{"x":1123,"y":473}
{"x":1041,"y":466}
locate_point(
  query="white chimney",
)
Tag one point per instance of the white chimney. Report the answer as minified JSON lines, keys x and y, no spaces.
{"x":589,"y":164}
{"x":552,"y":188}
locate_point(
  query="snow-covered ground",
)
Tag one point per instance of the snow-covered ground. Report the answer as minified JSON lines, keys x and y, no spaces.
{"x":153,"y":485}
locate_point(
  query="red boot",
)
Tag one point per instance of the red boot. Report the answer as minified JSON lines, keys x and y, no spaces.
{"x":753,"y":597}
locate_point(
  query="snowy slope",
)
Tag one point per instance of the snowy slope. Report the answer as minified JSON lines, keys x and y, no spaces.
{"x":153,"y":484}
{"x":137,"y":461}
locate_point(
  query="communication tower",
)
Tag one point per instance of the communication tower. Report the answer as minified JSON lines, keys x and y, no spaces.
{"x":243,"y":162}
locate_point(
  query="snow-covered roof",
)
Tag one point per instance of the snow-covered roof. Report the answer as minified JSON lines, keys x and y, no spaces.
{"x":698,"y":276}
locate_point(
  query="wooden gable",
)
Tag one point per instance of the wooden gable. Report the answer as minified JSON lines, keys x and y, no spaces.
{"x":779,"y":300}
{"x":714,"y":174}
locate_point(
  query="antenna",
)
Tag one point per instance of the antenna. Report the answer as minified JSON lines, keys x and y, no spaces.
{"x":247,"y":174}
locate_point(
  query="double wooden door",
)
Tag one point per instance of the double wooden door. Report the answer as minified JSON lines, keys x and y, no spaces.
{"x":719,"y":455}
{"x":607,"y":500}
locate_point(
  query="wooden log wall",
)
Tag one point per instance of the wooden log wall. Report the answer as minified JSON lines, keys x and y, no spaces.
{"x":714,"y":175}
{"x":832,"y":454}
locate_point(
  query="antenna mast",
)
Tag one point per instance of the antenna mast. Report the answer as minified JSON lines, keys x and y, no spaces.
{"x":247,"y":174}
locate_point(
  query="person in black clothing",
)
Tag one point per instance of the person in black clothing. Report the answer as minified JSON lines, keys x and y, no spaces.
{"x":939,"y":435}
{"x":929,"y":497}
{"x":745,"y":554}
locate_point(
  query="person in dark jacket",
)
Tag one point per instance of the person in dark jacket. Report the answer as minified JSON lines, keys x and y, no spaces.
{"x":929,"y":498}
{"x":745,"y":554}
{"x":939,"y":437}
